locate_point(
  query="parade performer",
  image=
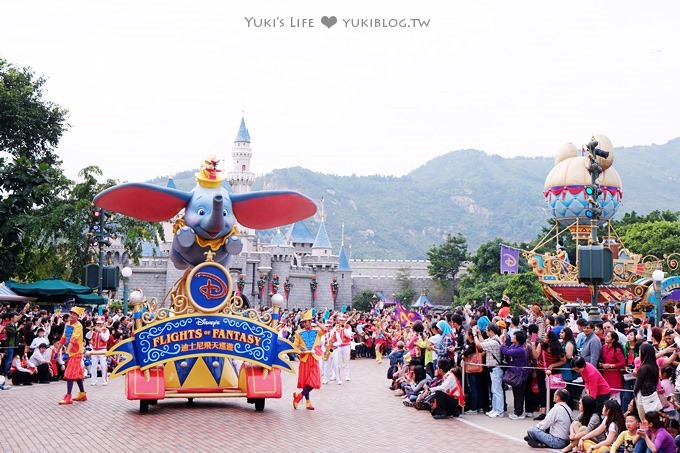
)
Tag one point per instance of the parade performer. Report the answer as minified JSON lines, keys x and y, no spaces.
{"x":74,"y":343}
{"x":379,"y":340}
{"x":328,"y":372}
{"x":343,"y":343}
{"x":308,"y":341}
{"x":99,"y":339}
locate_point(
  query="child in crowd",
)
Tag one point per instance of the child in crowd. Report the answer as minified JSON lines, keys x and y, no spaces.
{"x":625,"y":442}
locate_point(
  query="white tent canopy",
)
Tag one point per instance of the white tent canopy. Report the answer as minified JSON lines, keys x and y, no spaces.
{"x":7,"y":295}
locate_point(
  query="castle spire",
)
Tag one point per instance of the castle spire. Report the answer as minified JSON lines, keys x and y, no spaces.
{"x":243,"y":135}
{"x":240,"y":177}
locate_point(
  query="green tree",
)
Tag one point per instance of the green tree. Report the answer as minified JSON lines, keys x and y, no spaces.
{"x":407,"y":296}
{"x":30,"y":177}
{"x":486,"y":262}
{"x":653,"y":238}
{"x":632,"y":218}
{"x":57,"y":234}
{"x":446,"y":259}
{"x":362,"y":301}
{"x":525,"y":288}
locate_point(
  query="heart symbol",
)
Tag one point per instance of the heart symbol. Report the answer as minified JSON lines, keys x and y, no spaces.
{"x":329,"y":21}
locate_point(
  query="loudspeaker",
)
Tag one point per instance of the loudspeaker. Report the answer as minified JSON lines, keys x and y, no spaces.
{"x":595,"y":264}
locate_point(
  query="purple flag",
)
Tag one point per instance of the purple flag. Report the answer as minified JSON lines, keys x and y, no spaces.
{"x":405,"y":316}
{"x":509,"y":260}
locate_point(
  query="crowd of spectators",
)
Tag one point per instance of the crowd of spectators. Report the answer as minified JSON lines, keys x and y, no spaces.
{"x":620,"y":374}
{"x":30,"y":348}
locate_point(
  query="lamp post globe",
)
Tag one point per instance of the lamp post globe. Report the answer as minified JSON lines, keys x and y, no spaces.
{"x":277,"y":299}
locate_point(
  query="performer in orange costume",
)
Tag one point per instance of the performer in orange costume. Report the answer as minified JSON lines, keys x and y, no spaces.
{"x":308,"y":341}
{"x":73,"y":341}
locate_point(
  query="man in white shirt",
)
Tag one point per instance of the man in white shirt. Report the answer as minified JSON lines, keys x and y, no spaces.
{"x":557,"y":422}
{"x":41,"y":361}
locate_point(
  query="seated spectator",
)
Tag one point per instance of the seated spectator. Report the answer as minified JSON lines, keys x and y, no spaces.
{"x":557,"y":422}
{"x":655,"y":438}
{"x":628,"y":439}
{"x":416,"y":384}
{"x":397,"y":356}
{"x":448,"y":395}
{"x":588,"y":421}
{"x":612,"y":424}
{"x":21,"y":372}
{"x":40,"y":359}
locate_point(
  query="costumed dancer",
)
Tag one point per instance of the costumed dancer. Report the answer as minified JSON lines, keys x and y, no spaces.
{"x":328,"y":357}
{"x":74,"y":343}
{"x":379,"y":341}
{"x":308,"y":342}
{"x":99,"y":339}
{"x":343,"y":348}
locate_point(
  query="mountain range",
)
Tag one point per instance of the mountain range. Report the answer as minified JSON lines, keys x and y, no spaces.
{"x":481,"y":196}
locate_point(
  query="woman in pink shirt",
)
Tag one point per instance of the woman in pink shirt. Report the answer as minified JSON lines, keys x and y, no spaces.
{"x":613,"y":362}
{"x":595,"y":384}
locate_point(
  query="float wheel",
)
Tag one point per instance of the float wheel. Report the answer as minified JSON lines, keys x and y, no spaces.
{"x":143,"y":406}
{"x":259,"y":404}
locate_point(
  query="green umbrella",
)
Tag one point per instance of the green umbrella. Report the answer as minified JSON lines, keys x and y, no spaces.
{"x":56,"y":290}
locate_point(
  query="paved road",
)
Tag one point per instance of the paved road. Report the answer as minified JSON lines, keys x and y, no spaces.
{"x":360,"y":415}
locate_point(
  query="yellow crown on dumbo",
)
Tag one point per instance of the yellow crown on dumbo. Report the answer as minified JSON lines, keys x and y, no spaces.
{"x":209,"y":175}
{"x":308,"y":316}
{"x":78,"y":311}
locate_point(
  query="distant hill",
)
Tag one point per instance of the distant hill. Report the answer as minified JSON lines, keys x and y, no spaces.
{"x":468,"y":191}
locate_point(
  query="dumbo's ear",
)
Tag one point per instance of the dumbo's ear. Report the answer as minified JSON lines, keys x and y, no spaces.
{"x":271,"y":208}
{"x":143,"y":201}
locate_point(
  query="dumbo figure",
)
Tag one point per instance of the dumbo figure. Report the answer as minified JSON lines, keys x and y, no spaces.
{"x":210,"y":213}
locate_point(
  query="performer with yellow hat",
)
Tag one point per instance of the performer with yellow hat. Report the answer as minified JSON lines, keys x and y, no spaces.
{"x":308,"y":342}
{"x":73,"y":341}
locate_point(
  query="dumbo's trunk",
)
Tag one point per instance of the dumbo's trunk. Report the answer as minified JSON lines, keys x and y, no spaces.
{"x":215,"y":223}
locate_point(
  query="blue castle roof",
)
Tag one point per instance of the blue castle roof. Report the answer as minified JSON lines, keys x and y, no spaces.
{"x":300,"y":234}
{"x":150,"y":249}
{"x":343,"y":261}
{"x":171,"y":183}
{"x":243,"y":135}
{"x":322,"y":240}
{"x":278,"y":239}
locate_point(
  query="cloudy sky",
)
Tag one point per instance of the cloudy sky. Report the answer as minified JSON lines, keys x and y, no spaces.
{"x":154,"y":86}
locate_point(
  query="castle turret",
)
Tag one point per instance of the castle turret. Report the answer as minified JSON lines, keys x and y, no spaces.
{"x":343,"y":276}
{"x":240,"y":177}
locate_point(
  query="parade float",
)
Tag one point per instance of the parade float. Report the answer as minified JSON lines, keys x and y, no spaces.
{"x":204,"y":343}
{"x":583,"y":191}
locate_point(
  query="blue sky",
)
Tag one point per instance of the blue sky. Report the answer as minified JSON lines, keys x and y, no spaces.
{"x":154,"y":86}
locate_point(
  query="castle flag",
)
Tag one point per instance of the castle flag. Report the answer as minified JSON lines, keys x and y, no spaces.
{"x":509,"y":260}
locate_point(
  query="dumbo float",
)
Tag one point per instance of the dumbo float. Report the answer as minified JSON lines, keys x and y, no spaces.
{"x":210,"y":213}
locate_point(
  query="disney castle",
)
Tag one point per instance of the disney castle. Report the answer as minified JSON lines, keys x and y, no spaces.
{"x":291,"y":261}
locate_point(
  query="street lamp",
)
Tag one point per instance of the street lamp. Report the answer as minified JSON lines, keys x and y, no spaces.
{"x":126,"y":272}
{"x":657,"y":277}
